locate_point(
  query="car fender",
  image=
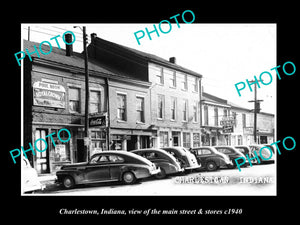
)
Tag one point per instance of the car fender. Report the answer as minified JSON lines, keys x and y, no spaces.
{"x":77,"y":175}
{"x":214,"y":159}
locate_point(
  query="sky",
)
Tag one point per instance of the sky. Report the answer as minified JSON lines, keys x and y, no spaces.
{"x":225,"y":54}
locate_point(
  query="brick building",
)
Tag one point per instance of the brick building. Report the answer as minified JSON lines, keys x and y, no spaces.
{"x":54,"y":98}
{"x":174,"y":93}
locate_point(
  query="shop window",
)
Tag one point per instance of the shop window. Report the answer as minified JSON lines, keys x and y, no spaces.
{"x":121,"y":100}
{"x":164,"y":139}
{"x":74,"y":100}
{"x":98,"y":141}
{"x":186,"y":140}
{"x":61,"y":149}
{"x":94,"y":102}
{"x":196,"y":140}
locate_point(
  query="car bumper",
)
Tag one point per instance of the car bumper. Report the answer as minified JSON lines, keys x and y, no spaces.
{"x":156,"y":171}
{"x":192,"y":167}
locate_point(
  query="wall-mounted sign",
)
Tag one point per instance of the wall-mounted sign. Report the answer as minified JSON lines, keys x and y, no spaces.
{"x":228,"y":129}
{"x":97,"y":121}
{"x":48,"y":95}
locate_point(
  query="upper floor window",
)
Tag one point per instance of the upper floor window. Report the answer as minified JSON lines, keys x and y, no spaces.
{"x":74,"y":100}
{"x":185,"y":110}
{"x":159,"y":75}
{"x":173,"y":108}
{"x":140,"y":109}
{"x":173,"y":79}
{"x":195,"y":84}
{"x":216,"y":116}
{"x":185,"y":82}
{"x":95,"y":101}
{"x":160,"y":106}
{"x":121,"y":101}
{"x":206,"y":115}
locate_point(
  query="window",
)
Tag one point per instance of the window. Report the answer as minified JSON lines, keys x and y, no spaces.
{"x":185,"y":82}
{"x":216,"y":116}
{"x":205,"y":152}
{"x":160,"y":106}
{"x":163,"y":139}
{"x":173,"y":79}
{"x":195,"y":111}
{"x":140,"y":109}
{"x":160,"y":76}
{"x":224,"y":150}
{"x":225,"y":113}
{"x":195,"y":84}
{"x":186,"y":140}
{"x":121,"y":99}
{"x":206,"y":115}
{"x":74,"y":100}
{"x":184,"y":110}
{"x":196,"y":140}
{"x":94,"y":102}
{"x":98,"y":141}
{"x":244,"y":120}
{"x":173,"y":108}
{"x":115,"y":159}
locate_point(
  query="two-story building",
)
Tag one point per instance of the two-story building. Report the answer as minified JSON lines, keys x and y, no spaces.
{"x":216,"y":121}
{"x":174,"y":93}
{"x":54,"y":98}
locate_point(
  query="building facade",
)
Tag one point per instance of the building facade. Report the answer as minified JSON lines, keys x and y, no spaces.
{"x":174,"y":92}
{"x":217,"y":121}
{"x":54,"y":98}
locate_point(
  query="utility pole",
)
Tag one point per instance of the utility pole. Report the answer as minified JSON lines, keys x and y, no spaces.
{"x":87,"y":95}
{"x":256,"y":110}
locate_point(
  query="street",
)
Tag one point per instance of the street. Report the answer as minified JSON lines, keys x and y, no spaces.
{"x":256,"y":180}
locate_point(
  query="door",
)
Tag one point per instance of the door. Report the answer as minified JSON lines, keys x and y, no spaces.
{"x":98,"y":169}
{"x":81,"y":156}
{"x":42,"y":158}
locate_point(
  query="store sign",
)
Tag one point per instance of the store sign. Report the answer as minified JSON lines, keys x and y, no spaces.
{"x":97,"y":121}
{"x":48,"y":95}
{"x":227,"y":121}
{"x":228,"y":129}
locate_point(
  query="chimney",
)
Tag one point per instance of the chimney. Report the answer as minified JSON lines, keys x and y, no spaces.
{"x":172,"y":60}
{"x":93,"y":36}
{"x":69,"y":48}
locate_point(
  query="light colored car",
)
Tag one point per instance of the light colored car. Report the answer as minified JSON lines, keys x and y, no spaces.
{"x":187,"y":159}
{"x":167,"y":163}
{"x":29,"y":178}
{"x":264,"y":153}
{"x":107,"y":166}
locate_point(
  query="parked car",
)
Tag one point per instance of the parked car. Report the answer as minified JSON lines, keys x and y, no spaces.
{"x":232,"y":152}
{"x":107,"y":166}
{"x":162,"y":159}
{"x":210,"y":158}
{"x":30,"y":182}
{"x":187,"y":160}
{"x":265,"y":153}
{"x":246,"y":150}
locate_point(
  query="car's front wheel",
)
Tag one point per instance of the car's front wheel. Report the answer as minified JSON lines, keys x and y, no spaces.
{"x":68,"y":182}
{"x":128,"y":177}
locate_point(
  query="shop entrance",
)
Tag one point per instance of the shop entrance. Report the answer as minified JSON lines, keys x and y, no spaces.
{"x":81,"y":156}
{"x":42,"y":158}
{"x":175,"y":138}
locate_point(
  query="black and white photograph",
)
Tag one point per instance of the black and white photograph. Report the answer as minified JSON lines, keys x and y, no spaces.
{"x":139,"y":114}
{"x":188,"y":112}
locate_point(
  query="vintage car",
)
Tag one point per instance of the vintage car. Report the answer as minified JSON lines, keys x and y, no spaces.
{"x":167,"y":163}
{"x":187,"y":160}
{"x":232,"y":153}
{"x":107,"y":166}
{"x":264,"y":155}
{"x":210,"y":158}
{"x":30,"y":182}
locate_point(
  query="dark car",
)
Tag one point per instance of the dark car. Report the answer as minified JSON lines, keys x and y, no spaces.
{"x":107,"y":166}
{"x":246,"y":151}
{"x":232,"y":153}
{"x":187,"y":160}
{"x":162,"y":159}
{"x":210,"y":158}
{"x":264,"y":155}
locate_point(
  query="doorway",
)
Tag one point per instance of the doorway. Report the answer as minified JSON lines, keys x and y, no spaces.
{"x":81,"y":156}
{"x":175,"y":138}
{"x":42,"y":158}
